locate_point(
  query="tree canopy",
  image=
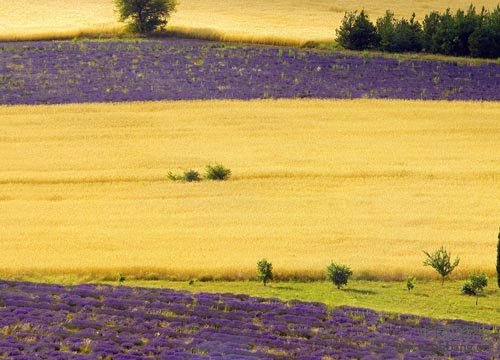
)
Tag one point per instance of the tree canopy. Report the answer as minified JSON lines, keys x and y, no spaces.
{"x":145,"y":16}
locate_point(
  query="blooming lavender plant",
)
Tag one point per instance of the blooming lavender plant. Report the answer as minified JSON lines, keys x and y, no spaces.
{"x":173,"y":69}
{"x":97,"y":322}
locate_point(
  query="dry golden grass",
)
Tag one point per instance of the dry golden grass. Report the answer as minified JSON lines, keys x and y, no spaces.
{"x":56,"y":19}
{"x":369,"y":183}
{"x":278,"y":21}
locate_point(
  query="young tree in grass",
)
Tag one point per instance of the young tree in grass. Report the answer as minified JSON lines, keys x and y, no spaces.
{"x":264,"y":271}
{"x":410,"y":283}
{"x":145,"y":16}
{"x":121,"y":278}
{"x":440,"y":260}
{"x":338,"y":274}
{"x":475,"y":286}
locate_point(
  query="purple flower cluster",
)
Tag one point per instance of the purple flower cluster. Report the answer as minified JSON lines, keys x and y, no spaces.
{"x":173,"y":69}
{"x":104,"y":322}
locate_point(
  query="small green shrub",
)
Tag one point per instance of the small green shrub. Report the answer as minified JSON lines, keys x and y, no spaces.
{"x":468,"y":289}
{"x":475,"y":286}
{"x":191,"y":175}
{"x":440,"y":260}
{"x":217,"y":172}
{"x":121,"y":278}
{"x":188,"y":176}
{"x":410,"y":283}
{"x":338,"y":274}
{"x":173,"y":177}
{"x":264,"y":271}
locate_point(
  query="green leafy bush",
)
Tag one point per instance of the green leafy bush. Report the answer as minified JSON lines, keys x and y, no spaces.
{"x":212,"y":172}
{"x":217,"y":172}
{"x":188,"y":176}
{"x":410,"y":283}
{"x":475,"y":286}
{"x":468,"y":289}
{"x":440,"y":260}
{"x":264,"y":271}
{"x":121,"y":278}
{"x":173,"y":177}
{"x":191,"y":175}
{"x":338,"y":274}
{"x":145,"y":16}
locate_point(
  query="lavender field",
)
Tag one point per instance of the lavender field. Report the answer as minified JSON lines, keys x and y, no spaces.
{"x":104,"y":322}
{"x":75,"y":72}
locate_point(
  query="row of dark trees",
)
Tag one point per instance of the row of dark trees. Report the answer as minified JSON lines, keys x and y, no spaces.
{"x":465,"y":33}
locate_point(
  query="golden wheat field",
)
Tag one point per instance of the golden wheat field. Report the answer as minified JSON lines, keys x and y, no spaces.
{"x":287,"y":21}
{"x":369,"y":183}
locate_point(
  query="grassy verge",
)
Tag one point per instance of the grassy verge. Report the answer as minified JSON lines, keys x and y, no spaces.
{"x":429,"y":298}
{"x":421,"y":56}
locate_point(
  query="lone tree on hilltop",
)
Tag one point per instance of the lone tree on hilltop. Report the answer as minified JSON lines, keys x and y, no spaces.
{"x":440,"y":260}
{"x":145,"y":16}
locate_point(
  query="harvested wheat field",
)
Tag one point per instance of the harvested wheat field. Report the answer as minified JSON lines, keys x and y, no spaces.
{"x":371,"y":183}
{"x":277,"y":21}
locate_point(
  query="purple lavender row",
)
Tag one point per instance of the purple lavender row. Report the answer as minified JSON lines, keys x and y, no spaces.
{"x":104,"y":322}
{"x":174,"y":69}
